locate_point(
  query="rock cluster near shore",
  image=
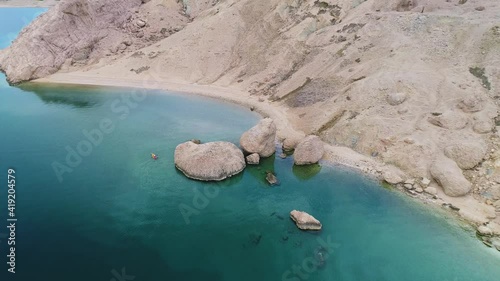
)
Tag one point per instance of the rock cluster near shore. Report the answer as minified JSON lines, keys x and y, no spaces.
{"x":323,"y":65}
{"x":212,"y":161}
{"x":215,"y":161}
{"x":305,"y":221}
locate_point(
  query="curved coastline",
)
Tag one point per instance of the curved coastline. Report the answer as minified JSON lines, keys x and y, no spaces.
{"x":472,"y":211}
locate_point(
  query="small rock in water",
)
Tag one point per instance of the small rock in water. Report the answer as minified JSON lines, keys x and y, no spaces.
{"x":197,"y":141}
{"x":271,"y":178}
{"x":305,"y":221}
{"x":253,"y":159}
{"x":285,"y":238}
{"x":283,"y":155}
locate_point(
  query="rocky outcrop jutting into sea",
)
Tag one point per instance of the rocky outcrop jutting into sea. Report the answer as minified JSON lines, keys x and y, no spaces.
{"x":260,"y":138}
{"x":211,"y":161}
{"x":77,"y":33}
{"x":305,"y":221}
{"x":309,"y":151}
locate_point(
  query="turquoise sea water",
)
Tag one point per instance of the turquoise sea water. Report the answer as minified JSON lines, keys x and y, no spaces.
{"x":115,"y":214}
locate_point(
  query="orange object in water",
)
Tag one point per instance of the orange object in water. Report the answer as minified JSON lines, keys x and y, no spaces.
{"x":154,"y":156}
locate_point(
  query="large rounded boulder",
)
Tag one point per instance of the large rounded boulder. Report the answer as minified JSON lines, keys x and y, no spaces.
{"x":309,"y":151}
{"x":212,"y":161}
{"x":447,"y":173}
{"x":260,"y":138}
{"x":467,"y":154}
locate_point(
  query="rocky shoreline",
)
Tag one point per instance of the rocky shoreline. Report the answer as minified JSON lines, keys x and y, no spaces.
{"x":473,"y":211}
{"x":386,"y":86}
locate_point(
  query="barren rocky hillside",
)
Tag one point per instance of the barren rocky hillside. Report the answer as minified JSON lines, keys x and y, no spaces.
{"x":411,"y":83}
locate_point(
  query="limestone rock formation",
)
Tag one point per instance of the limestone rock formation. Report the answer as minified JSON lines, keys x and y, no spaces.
{"x":211,"y":161}
{"x":260,"y":138}
{"x":309,"y":151}
{"x":290,"y":143}
{"x":467,"y":154}
{"x":253,"y":159}
{"x":80,"y":32}
{"x":305,"y":221}
{"x":447,"y":173}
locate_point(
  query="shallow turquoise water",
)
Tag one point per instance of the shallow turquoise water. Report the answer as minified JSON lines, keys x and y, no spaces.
{"x":117,"y":211}
{"x":12,"y":20}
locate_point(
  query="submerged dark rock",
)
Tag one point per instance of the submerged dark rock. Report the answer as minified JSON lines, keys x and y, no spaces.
{"x":272,"y":179}
{"x":255,"y":238}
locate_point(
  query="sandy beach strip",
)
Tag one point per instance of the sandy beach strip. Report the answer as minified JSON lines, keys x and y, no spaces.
{"x":337,"y":155}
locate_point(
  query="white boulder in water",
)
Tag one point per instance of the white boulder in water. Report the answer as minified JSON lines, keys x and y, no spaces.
{"x":211,"y":161}
{"x":305,"y":221}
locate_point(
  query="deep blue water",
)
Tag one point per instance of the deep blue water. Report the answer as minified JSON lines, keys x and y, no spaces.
{"x":116,"y":211}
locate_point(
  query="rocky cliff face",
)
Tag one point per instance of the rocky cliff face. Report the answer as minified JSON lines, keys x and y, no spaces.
{"x":77,"y":33}
{"x":406,"y":82}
